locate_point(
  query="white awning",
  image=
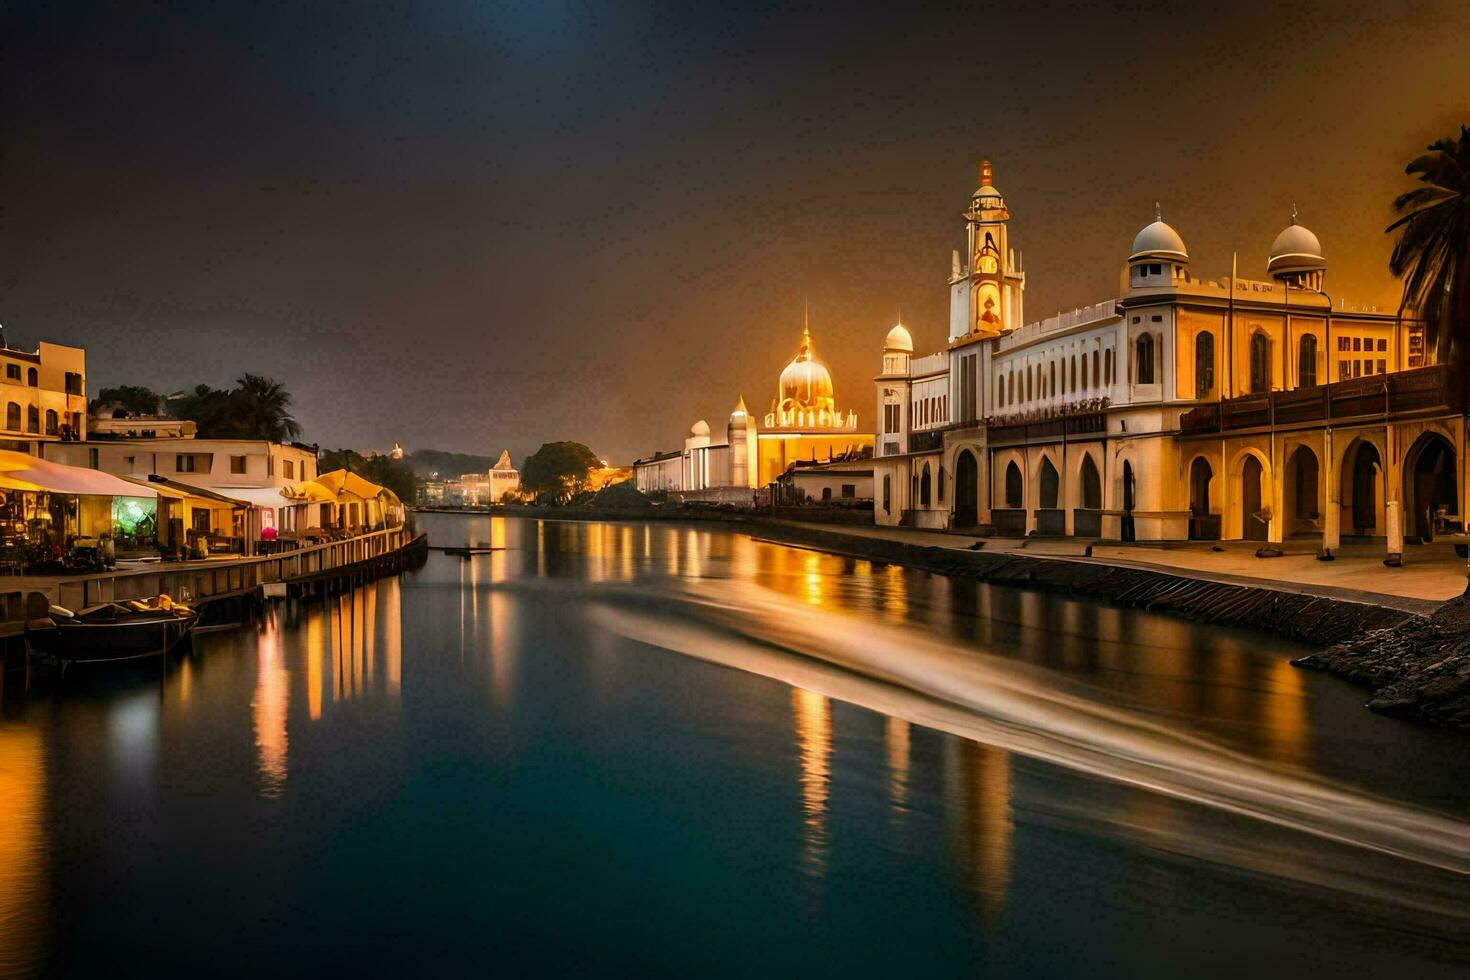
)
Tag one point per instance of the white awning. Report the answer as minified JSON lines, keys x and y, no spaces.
{"x":268,"y":497}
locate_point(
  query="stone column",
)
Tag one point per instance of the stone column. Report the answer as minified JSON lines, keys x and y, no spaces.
{"x":1332,"y":498}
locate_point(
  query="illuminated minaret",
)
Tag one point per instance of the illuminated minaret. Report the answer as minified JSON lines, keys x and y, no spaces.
{"x":741,"y":435}
{"x":996,"y":279}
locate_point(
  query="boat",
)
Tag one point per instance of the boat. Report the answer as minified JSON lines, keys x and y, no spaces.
{"x":114,"y":631}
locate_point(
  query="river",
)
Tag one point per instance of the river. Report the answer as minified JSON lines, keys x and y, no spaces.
{"x":627,"y":749}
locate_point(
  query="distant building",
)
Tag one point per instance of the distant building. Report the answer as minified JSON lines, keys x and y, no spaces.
{"x":504,"y":478}
{"x":44,"y":396}
{"x":803,"y":424}
{"x":849,"y":481}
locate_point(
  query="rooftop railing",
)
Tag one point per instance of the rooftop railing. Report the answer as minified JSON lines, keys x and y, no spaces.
{"x":1380,"y":395}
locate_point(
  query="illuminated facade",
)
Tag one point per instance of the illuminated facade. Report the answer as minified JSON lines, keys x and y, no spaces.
{"x":44,"y":396}
{"x":804,"y":424}
{"x":1181,"y":408}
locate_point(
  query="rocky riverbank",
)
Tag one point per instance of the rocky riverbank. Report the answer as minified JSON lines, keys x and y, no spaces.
{"x":1418,"y":669}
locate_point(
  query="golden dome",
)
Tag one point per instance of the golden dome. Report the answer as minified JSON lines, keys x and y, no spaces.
{"x":806,"y":384}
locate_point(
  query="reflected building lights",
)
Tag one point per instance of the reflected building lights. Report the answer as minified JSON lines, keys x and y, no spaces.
{"x":270,"y":706}
{"x":1285,"y":707}
{"x":316,"y":655}
{"x":813,"y":721}
{"x":978,"y":787}
{"x":393,"y":634}
{"x":23,"y":905}
{"x":896,"y":739}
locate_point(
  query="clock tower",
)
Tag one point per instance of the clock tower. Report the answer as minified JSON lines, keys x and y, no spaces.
{"x":996,"y":280}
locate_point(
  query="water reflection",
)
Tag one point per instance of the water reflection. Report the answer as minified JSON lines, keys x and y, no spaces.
{"x":813,"y":722}
{"x":23,"y":899}
{"x":978,"y":782}
{"x":272,"y":689}
{"x":896,"y":738}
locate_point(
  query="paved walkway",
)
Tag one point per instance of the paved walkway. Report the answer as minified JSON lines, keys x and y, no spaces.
{"x":1430,"y":573}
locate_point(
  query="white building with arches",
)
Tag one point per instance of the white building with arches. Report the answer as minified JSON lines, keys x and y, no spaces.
{"x":1180,"y":408}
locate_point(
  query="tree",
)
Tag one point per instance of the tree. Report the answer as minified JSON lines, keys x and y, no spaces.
{"x":395,"y":474}
{"x":557,"y":471}
{"x":131,"y":399}
{"x":1433,"y":250}
{"x":262,"y":407}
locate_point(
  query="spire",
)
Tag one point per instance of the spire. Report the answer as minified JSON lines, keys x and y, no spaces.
{"x":740,"y":408}
{"x":1158,"y":212}
{"x":806,"y":343}
{"x":1293,"y":212}
{"x":987,"y":174}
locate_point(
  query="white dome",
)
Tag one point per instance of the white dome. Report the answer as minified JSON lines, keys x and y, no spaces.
{"x":1158,"y":239}
{"x":700,"y":428}
{"x":898,"y":339}
{"x":1296,"y":249}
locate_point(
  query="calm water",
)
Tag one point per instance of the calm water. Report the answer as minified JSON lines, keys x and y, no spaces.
{"x":628,"y":750}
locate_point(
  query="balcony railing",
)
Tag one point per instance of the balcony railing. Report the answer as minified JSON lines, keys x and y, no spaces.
{"x":1066,"y":425}
{"x":1421,"y":390}
{"x":925,"y":442}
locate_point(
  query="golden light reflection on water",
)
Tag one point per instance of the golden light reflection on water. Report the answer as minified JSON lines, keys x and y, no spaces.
{"x":978,"y":787}
{"x":392,"y":627}
{"x":23,"y":917}
{"x":1288,"y":729}
{"x":316,"y":655}
{"x":272,"y":689}
{"x":896,"y":740}
{"x":813,"y":722}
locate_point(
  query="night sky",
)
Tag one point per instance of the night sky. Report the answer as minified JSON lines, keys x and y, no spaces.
{"x":479,"y":226}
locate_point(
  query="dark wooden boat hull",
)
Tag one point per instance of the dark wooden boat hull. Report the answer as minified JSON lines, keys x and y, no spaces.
{"x":79,"y":641}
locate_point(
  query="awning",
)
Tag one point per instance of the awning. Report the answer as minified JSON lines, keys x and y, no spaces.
{"x":21,"y":472}
{"x":345,"y":482}
{"x":164,"y":484}
{"x":270,"y":498}
{"x":312,"y":492}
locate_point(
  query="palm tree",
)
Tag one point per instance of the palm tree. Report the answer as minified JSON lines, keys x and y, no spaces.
{"x":261,"y":409}
{"x":1433,"y":249}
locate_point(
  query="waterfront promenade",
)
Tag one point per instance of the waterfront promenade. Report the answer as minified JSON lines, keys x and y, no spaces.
{"x":1430,"y":575}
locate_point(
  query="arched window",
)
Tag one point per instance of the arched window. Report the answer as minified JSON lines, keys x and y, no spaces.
{"x":887,"y":494}
{"x":12,"y":416}
{"x":1096,"y":368}
{"x":1306,"y":361}
{"x":1143,"y":369}
{"x":31,"y":378}
{"x":1260,"y":362}
{"x":51,"y":421}
{"x":33,"y":419}
{"x":1030,"y":374}
{"x":1091,"y":485}
{"x":1047,"y":484}
{"x":940,"y":487}
{"x":1204,"y":364}
{"x":924,"y":482}
{"x":1108,"y":367}
{"x":1000,"y":392}
{"x":1014,"y":488}
{"x":1051,"y":384}
{"x":1074,"y":374}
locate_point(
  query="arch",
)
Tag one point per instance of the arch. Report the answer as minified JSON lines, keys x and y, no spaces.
{"x":1302,"y":492}
{"x":33,"y":419}
{"x":1051,"y":383}
{"x":1090,"y":482}
{"x":1306,"y":361}
{"x":1255,"y":523}
{"x":1107,"y":378}
{"x":51,"y":422}
{"x":1074,"y":374}
{"x":1204,"y":364}
{"x":12,"y":416}
{"x":966,"y":489}
{"x":31,"y":378}
{"x":1048,"y":484}
{"x":1260,"y":358}
{"x":1362,"y":471}
{"x":1430,"y":487}
{"x":1128,"y":533}
{"x":1143,"y":371}
{"x":1203,"y":525}
{"x":1015,"y":487}
{"x":925,"y":480}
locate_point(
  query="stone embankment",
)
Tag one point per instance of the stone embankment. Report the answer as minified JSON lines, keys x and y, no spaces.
{"x":1417,"y":669}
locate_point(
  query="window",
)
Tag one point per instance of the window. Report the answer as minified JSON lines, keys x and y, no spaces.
{"x":73,"y":383}
{"x":849,"y":491}
{"x":826,"y":493}
{"x":12,"y":372}
{"x":1013,"y":486}
{"x":33,"y":419}
{"x":887,"y":494}
{"x":1157,"y":318}
{"x":1260,"y":363}
{"x":1144,"y":360}
{"x":941,"y":484}
{"x":183,"y":463}
{"x":1357,"y":343}
{"x":1051,"y":384}
{"x":1344,"y":343}
{"x":1097,"y":371}
{"x":1306,"y":361}
{"x":32,"y":379}
{"x":1204,"y":364}
{"x":12,"y":416}
{"x":1382,"y":365}
{"x":1383,"y":345}
{"x":237,"y":464}
{"x":52,"y":422}
{"x":1138,"y":319}
{"x":92,"y":458}
{"x":1000,"y":391}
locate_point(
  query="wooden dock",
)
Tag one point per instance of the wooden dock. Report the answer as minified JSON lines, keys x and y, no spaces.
{"x":198,"y":583}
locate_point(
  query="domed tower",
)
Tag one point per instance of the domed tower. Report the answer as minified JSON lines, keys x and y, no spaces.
{"x":804,"y":395}
{"x":1296,"y":257}
{"x":893,"y":391}
{"x":741,"y":435}
{"x":996,"y":281}
{"x":1159,"y":257}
